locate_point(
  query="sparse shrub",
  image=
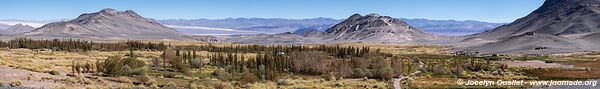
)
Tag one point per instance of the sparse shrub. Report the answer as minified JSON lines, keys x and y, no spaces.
{"x":118,"y":66}
{"x":360,"y":73}
{"x":69,"y":81}
{"x":397,"y":66}
{"x":262,"y":72}
{"x":230,"y":69}
{"x":248,"y":78}
{"x":458,"y":68}
{"x":344,"y":70}
{"x":221,"y":74}
{"x":311,"y":62}
{"x":15,"y":83}
{"x":156,"y":62}
{"x":387,"y":73}
{"x":440,"y":70}
{"x":137,"y":71}
{"x":379,"y":66}
{"x":196,"y":63}
{"x":196,"y":86}
{"x":84,"y":80}
{"x":170,"y":85}
{"x":59,"y":87}
{"x":273,"y":75}
{"x":223,"y":86}
{"x":183,"y":68}
{"x":285,"y":82}
{"x":169,"y":74}
{"x":175,"y":58}
{"x":144,"y":79}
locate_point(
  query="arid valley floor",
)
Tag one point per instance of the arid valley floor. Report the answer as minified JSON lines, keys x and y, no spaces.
{"x":53,"y":69}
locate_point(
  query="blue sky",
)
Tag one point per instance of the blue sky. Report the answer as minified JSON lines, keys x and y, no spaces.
{"x":480,"y":10}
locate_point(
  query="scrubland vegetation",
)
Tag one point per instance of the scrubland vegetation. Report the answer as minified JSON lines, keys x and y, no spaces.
{"x":140,"y":64}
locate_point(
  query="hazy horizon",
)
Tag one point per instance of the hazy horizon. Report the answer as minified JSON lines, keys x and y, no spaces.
{"x":496,"y":11}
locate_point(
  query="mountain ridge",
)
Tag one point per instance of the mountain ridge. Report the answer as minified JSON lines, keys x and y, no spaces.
{"x":108,"y":24}
{"x":375,"y":28}
{"x":17,"y":29}
{"x":558,"y":26}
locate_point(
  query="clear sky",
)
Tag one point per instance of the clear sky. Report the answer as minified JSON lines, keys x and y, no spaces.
{"x":480,"y":10}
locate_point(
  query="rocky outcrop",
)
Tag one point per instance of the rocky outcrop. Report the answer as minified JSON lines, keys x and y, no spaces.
{"x":377,"y":29}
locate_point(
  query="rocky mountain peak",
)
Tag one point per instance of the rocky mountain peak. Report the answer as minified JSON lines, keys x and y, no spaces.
{"x":108,"y":24}
{"x":565,"y":5}
{"x":373,"y":15}
{"x":17,"y":29}
{"x":109,"y":11}
{"x":20,"y":25}
{"x":375,"y":28}
{"x":355,"y":16}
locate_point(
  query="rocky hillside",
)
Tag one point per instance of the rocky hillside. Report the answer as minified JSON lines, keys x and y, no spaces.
{"x":557,"y":26}
{"x":557,"y":17}
{"x":108,"y":24}
{"x":377,"y":29}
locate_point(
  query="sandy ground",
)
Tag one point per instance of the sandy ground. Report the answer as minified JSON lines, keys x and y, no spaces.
{"x":534,"y":64}
{"x":31,"y":79}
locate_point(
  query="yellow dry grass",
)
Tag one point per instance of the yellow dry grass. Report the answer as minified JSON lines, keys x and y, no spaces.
{"x":45,"y":61}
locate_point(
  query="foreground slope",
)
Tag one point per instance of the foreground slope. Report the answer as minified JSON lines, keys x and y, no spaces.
{"x":108,"y":24}
{"x":558,"y":26}
{"x":558,"y":17}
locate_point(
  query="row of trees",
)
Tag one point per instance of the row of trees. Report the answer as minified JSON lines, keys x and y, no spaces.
{"x":320,"y":60}
{"x":80,"y":45}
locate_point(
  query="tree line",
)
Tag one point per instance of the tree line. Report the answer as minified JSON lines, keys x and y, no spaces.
{"x":80,"y":45}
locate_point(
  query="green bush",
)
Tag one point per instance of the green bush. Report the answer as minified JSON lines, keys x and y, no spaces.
{"x":183,"y":68}
{"x":221,"y":74}
{"x":169,"y":74}
{"x":117,"y":66}
{"x":387,"y":73}
{"x":248,"y":78}
{"x":196,"y":63}
{"x":54,"y":72}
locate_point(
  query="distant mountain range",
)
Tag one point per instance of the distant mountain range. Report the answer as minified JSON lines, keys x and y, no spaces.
{"x":371,"y":28}
{"x":241,"y":26}
{"x":16,"y":29}
{"x":4,"y":26}
{"x":452,"y":27}
{"x":236,"y":26}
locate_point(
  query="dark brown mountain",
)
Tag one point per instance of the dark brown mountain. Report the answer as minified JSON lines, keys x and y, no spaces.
{"x":556,"y":17}
{"x":376,"y":28}
{"x":558,"y":26}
